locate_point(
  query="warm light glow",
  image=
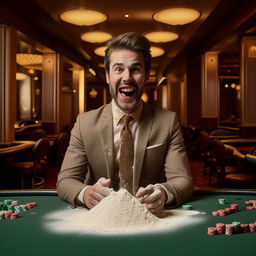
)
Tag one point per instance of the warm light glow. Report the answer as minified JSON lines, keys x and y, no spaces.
{"x":233,"y":85}
{"x":81,"y":91}
{"x":27,"y":59}
{"x":100,"y":51}
{"x":92,"y":71}
{"x":226,"y":85}
{"x":161,"y":36}
{"x":83,"y":17}
{"x":31,"y":71}
{"x":93,"y":93}
{"x":21,"y":76}
{"x":96,"y":37}
{"x":144,"y":97}
{"x":238,"y":87}
{"x":152,"y":72}
{"x":156,"y":51}
{"x":176,"y":16}
{"x":161,"y":80}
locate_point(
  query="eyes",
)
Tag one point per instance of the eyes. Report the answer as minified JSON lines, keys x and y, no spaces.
{"x":132,"y":70}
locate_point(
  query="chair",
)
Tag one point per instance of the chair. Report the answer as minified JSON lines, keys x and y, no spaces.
{"x":246,"y":174}
{"x":253,"y":152}
{"x":222,"y":162}
{"x":32,"y":169}
{"x":205,"y":149}
{"x":60,"y":146}
{"x":223,"y":133}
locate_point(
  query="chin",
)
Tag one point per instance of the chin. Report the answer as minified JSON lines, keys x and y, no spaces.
{"x":128,"y":107}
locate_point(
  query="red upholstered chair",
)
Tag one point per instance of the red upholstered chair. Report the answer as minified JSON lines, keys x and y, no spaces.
{"x":32,"y":169}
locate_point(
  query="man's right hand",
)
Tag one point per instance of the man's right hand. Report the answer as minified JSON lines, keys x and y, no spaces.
{"x":94,"y":194}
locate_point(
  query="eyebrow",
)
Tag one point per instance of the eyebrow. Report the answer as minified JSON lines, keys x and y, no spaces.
{"x":122,"y":64}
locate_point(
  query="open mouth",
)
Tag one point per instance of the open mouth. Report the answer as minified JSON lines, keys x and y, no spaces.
{"x":127,"y":91}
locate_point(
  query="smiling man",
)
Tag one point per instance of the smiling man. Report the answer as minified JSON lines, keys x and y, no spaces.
{"x":150,"y":162}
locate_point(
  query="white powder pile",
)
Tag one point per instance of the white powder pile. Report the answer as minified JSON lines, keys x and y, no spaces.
{"x":118,"y":213}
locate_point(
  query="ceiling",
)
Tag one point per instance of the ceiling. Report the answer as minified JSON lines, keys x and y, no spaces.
{"x":218,"y":28}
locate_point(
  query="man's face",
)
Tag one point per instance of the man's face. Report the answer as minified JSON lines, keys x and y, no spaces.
{"x":126,"y":78}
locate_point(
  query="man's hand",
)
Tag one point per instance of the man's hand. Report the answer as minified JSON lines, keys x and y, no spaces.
{"x":94,"y":194}
{"x":153,"y":196}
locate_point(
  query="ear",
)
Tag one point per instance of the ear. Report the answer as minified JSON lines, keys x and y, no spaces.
{"x":107,"y":76}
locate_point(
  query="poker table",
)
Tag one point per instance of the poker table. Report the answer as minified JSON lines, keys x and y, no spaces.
{"x":27,"y":234}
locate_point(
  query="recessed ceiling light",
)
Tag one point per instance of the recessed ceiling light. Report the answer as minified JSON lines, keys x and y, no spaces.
{"x":126,"y":15}
{"x":21,"y":76}
{"x":96,"y":37}
{"x":83,"y":17}
{"x":26,"y":59}
{"x":100,"y":51}
{"x":156,"y":51}
{"x":161,"y":36}
{"x":176,"y":16}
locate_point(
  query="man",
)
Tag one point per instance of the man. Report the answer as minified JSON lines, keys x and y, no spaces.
{"x":160,"y":172}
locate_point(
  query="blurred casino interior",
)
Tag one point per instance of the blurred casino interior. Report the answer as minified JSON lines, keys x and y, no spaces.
{"x":203,"y":68}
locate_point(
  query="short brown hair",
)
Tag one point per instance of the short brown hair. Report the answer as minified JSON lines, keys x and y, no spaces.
{"x":132,"y":41}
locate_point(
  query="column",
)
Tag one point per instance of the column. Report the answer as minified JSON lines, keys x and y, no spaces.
{"x":248,"y":88}
{"x":8,"y":41}
{"x":209,"y":91}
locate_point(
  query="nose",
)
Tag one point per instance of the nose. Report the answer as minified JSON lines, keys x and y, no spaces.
{"x":126,"y":76}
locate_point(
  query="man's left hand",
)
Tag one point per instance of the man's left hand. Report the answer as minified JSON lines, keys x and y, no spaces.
{"x":153,"y":196}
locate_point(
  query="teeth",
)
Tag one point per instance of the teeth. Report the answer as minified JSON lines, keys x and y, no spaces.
{"x":127,"y":89}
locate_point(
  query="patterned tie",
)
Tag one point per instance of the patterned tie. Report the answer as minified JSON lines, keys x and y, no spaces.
{"x":126,"y":155}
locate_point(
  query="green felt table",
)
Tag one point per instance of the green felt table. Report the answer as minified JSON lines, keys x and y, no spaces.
{"x":27,"y":235}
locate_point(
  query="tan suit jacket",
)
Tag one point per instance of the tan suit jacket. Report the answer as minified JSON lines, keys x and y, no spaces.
{"x":160,"y":154}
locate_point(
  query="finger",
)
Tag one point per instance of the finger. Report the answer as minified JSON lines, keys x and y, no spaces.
{"x":156,"y":210}
{"x":92,"y":196}
{"x":155,"y":196}
{"x":142,"y":192}
{"x":104,"y":191}
{"x":104,"y":182}
{"x":139,"y":192}
{"x":156,"y":206}
{"x":91,"y":203}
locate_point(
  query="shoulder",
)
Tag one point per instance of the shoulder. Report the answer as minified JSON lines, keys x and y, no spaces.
{"x":159,"y":113}
{"x":95,"y":113}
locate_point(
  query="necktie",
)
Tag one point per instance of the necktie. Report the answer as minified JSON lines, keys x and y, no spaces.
{"x":126,"y":155}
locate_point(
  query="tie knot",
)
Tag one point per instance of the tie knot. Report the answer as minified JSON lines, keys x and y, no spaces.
{"x":126,"y":119}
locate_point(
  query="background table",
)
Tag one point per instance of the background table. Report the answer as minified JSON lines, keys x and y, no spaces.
{"x":28,"y":236}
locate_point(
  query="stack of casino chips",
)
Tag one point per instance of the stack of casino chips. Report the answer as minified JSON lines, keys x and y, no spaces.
{"x":252,"y":205}
{"x":10,"y":209}
{"x":223,"y":212}
{"x":230,"y":229}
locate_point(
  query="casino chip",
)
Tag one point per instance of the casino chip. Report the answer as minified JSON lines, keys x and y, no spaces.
{"x":187,"y":207}
{"x":10,"y":209}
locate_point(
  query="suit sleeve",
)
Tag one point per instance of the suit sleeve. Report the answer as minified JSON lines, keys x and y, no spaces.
{"x":177,"y":170}
{"x":74,"y":167}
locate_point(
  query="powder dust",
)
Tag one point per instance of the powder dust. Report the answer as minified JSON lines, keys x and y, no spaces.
{"x":118,"y":213}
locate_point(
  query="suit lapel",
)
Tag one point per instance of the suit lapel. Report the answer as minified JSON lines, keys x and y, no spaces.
{"x":144,"y":132}
{"x":106,"y":127}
